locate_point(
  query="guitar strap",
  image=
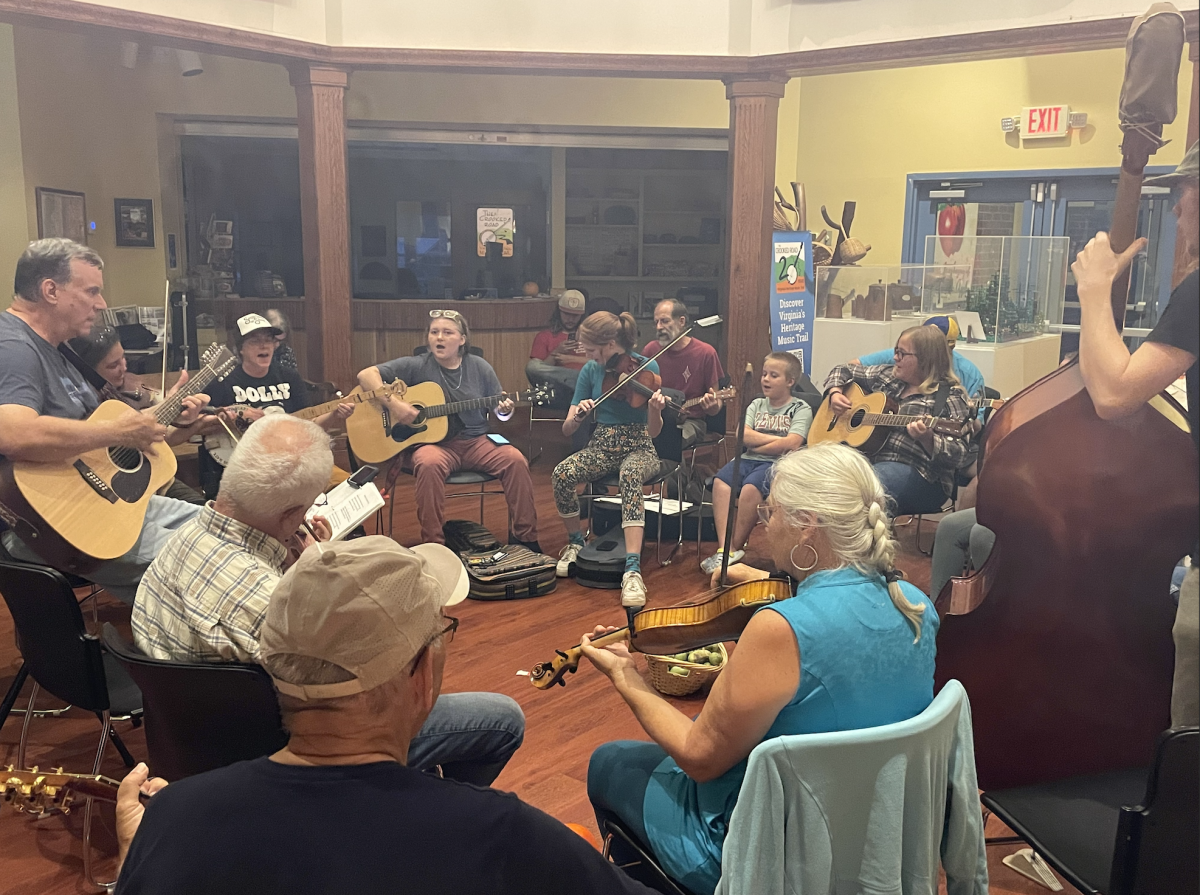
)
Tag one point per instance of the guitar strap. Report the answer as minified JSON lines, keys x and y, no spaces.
{"x":940,"y":398}
{"x":95,"y":380}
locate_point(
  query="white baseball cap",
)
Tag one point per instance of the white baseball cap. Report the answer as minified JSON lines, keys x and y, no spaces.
{"x":254,"y":322}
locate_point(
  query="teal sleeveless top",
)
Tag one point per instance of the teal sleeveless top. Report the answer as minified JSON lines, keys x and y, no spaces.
{"x":859,"y":668}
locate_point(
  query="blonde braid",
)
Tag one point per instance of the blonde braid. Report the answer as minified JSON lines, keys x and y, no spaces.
{"x":884,"y":555}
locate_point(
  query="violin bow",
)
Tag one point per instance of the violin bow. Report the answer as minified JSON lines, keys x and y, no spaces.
{"x":731,"y":516}
{"x":707,"y":321}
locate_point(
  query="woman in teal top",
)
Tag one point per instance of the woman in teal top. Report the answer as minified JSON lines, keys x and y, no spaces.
{"x":622,"y":441}
{"x":853,"y":648}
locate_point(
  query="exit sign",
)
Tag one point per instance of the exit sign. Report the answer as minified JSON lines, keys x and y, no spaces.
{"x":1045,"y":121}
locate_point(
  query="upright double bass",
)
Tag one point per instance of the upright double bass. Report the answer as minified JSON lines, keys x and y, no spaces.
{"x":1063,"y":638}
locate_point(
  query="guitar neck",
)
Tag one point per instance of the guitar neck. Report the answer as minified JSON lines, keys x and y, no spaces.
{"x":309,"y":413}
{"x":472,"y":404}
{"x":168,"y":411}
{"x":891,"y":419}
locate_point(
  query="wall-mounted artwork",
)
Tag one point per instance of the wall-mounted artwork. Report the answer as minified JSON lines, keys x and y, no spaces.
{"x":61,"y":213}
{"x":135,"y":222}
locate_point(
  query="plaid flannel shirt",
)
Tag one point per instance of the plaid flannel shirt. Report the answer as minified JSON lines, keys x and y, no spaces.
{"x":949,"y":453}
{"x":205,"y":595}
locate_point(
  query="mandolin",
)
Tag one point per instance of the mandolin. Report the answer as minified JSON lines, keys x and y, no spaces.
{"x":374,"y":437}
{"x":865,"y":425}
{"x":673,"y":630}
{"x":45,"y":792}
{"x":92,"y":508}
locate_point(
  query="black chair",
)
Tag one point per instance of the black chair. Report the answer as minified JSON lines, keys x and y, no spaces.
{"x":1130,"y":832}
{"x":633,"y":858}
{"x":201,"y":716}
{"x":68,"y":662}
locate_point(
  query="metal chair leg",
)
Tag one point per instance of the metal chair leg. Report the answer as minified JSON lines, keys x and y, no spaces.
{"x":25,"y":727}
{"x":126,"y":756}
{"x":14,"y":690}
{"x":88,"y":872}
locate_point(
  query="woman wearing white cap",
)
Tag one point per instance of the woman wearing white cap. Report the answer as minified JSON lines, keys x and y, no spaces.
{"x":256,"y":386}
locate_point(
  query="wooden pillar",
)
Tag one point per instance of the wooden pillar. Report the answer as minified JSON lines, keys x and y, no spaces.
{"x":753,"y":128}
{"x":325,"y":221}
{"x":1184,"y":261}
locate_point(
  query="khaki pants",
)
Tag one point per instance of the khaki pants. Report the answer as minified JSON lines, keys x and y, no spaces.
{"x":1185,"y":692}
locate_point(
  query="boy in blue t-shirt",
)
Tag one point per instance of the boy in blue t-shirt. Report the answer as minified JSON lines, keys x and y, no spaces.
{"x":776,"y":424}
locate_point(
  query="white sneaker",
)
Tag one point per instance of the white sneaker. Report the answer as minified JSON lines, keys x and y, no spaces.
{"x":566,"y":559}
{"x":633,"y":590}
{"x":713,"y":563}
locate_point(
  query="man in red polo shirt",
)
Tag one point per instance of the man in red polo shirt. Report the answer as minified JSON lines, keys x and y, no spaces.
{"x":689,"y":366}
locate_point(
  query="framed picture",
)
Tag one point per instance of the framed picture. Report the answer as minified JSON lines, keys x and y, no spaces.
{"x":135,"y":222}
{"x":61,"y":213}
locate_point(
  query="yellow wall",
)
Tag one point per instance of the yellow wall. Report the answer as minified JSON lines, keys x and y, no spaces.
{"x":89,"y":125}
{"x":862,"y":134}
{"x":14,"y":231}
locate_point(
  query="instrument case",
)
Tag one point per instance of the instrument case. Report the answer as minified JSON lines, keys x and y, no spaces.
{"x":499,"y":573}
{"x":602,"y":562}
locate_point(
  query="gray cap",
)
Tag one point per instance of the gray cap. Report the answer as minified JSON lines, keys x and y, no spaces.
{"x":1188,"y":170}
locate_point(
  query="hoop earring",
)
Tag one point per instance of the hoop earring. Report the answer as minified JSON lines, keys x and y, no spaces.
{"x":816,"y":559}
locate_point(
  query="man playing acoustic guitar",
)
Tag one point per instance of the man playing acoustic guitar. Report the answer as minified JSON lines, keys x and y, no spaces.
{"x":44,"y":399}
{"x":462,"y":376}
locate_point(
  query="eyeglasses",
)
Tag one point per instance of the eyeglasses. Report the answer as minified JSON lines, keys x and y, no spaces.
{"x":446,"y":632}
{"x":453,"y":315}
{"x":764,"y":512}
{"x":899,"y":353}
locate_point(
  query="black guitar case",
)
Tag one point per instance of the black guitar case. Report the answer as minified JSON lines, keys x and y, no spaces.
{"x":499,"y":573}
{"x":602,"y":562}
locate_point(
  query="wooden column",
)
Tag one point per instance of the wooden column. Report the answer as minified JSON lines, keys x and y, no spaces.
{"x":325,"y":221}
{"x":1184,"y":261}
{"x":753,"y":128}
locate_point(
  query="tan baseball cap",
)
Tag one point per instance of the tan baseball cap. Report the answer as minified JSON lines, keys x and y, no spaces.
{"x":1188,"y":169}
{"x":367,"y":605}
{"x":572,"y":300}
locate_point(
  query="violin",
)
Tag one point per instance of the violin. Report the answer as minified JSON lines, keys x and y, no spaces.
{"x":629,"y":381}
{"x":674,"y":630}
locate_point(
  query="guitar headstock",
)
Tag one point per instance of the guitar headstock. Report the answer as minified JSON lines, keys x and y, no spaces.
{"x":45,"y":792}
{"x":219,"y":358}
{"x":540,"y":394}
{"x":724,"y":394}
{"x":546,"y":674}
{"x":395,"y":388}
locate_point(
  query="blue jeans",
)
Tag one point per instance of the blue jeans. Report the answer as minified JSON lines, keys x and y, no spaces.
{"x":471,"y":735}
{"x":121,"y":576}
{"x":910,"y":490}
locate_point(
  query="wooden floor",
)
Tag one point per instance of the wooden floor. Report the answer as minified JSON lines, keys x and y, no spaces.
{"x":495,"y":642}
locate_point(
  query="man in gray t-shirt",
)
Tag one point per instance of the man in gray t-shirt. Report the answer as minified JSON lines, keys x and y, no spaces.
{"x":462,"y":376}
{"x":44,"y":400}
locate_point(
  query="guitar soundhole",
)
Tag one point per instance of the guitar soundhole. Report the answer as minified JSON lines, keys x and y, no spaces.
{"x":856,"y":418}
{"x":125,"y":459}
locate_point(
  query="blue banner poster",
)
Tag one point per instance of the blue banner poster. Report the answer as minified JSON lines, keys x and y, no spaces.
{"x":793,"y":295}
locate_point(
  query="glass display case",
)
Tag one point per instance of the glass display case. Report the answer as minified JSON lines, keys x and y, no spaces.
{"x":999,"y":288}
{"x":870,"y":292}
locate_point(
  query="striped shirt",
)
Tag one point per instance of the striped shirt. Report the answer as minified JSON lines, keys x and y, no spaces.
{"x":949,"y":453}
{"x":205,"y":595}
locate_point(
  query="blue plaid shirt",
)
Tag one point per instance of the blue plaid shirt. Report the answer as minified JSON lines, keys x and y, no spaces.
{"x":204,"y":597}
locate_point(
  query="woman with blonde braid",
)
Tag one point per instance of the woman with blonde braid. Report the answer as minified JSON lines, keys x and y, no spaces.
{"x":864,"y":639}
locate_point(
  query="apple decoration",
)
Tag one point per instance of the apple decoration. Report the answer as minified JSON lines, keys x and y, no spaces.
{"x":951,"y":224}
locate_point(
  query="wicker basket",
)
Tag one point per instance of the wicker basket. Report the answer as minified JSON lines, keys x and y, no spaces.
{"x":698,"y":677}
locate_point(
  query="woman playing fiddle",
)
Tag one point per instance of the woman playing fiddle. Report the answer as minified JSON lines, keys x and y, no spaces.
{"x":915,"y":464}
{"x":853,"y":648}
{"x":622,"y":441}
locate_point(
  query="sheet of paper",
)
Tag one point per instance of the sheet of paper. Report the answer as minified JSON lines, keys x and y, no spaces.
{"x":346,"y":507}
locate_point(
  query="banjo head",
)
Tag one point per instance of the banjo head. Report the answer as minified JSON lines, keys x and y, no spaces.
{"x":220,"y":444}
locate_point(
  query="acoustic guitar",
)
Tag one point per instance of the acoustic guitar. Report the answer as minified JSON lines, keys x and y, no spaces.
{"x":865,"y":425}
{"x":375,"y":437}
{"x":90,"y":508}
{"x":220,"y":444}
